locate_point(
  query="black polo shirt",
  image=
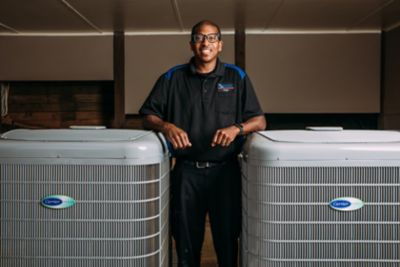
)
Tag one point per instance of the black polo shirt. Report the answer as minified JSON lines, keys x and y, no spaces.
{"x":201,"y":104}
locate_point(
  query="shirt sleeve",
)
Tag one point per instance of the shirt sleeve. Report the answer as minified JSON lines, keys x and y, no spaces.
{"x":156,"y":102}
{"x":250,"y":105}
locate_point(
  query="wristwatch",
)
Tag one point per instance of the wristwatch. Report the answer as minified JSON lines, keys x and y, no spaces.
{"x":240,"y":126}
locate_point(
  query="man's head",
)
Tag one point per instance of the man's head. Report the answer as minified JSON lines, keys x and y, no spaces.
{"x":205,"y":41}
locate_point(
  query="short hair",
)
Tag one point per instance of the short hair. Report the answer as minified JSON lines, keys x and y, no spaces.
{"x":198,"y":25}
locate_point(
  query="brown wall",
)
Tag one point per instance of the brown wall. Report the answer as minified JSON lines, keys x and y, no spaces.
{"x":55,"y":58}
{"x":38,"y":68}
{"x":316,"y":73}
{"x":390,"y":117}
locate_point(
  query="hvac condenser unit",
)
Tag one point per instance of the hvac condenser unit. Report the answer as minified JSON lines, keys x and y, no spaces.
{"x":83,"y":198}
{"x":321,"y":198}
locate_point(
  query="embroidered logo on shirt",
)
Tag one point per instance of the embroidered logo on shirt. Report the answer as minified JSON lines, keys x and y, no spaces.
{"x":225,"y":87}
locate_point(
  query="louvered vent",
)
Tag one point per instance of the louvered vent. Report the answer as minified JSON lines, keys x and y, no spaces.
{"x":120,"y":218}
{"x":287,"y":220}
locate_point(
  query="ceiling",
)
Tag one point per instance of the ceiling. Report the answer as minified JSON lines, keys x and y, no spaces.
{"x":19,"y":17}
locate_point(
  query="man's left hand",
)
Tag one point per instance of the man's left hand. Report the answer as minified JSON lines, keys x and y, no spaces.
{"x":224,"y":137}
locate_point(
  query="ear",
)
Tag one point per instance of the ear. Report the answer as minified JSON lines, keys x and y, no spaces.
{"x":191,"y":46}
{"x":221,"y":44}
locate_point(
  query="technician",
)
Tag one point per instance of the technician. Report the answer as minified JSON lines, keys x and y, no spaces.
{"x":205,"y":108}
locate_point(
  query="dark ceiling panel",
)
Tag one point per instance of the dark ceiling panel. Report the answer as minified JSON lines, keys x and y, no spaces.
{"x":391,"y":14}
{"x":258,"y":14}
{"x":128,"y":15}
{"x":221,"y":12}
{"x":41,"y":16}
{"x":317,"y":14}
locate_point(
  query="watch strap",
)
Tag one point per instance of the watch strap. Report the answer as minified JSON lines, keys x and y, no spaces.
{"x":240,"y":126}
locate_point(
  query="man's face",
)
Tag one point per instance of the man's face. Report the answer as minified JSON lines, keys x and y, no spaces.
{"x":205,"y":51}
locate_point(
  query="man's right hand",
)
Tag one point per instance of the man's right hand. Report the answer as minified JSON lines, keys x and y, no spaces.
{"x":176,"y":136}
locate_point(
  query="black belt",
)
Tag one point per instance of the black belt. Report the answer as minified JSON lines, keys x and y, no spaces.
{"x":202,"y":164}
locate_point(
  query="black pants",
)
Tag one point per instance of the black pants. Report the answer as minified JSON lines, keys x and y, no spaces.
{"x":195,"y":192}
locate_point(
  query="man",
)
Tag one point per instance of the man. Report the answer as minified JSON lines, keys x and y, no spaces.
{"x":204,"y":108}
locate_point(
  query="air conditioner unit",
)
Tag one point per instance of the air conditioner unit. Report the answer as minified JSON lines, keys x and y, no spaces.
{"x":321,"y":198}
{"x":83,"y":198}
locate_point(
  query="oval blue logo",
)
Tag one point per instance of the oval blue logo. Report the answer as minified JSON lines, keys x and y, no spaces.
{"x":346,"y":204}
{"x":57,"y":202}
{"x":340,"y":203}
{"x":52,"y":201}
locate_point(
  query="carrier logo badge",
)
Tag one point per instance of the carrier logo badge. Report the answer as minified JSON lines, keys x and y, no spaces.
{"x":57,"y":202}
{"x":225,"y":87}
{"x":346,"y":204}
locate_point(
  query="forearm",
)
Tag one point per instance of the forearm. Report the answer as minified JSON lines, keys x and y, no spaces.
{"x":152,"y":122}
{"x":257,"y":123}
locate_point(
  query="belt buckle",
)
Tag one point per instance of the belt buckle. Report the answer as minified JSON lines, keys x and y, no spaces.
{"x":202,"y":165}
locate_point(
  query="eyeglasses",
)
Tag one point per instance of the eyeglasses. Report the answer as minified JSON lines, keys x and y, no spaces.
{"x":212,"y":37}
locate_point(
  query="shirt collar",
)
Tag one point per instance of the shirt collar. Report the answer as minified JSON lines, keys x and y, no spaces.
{"x":218,"y":71}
